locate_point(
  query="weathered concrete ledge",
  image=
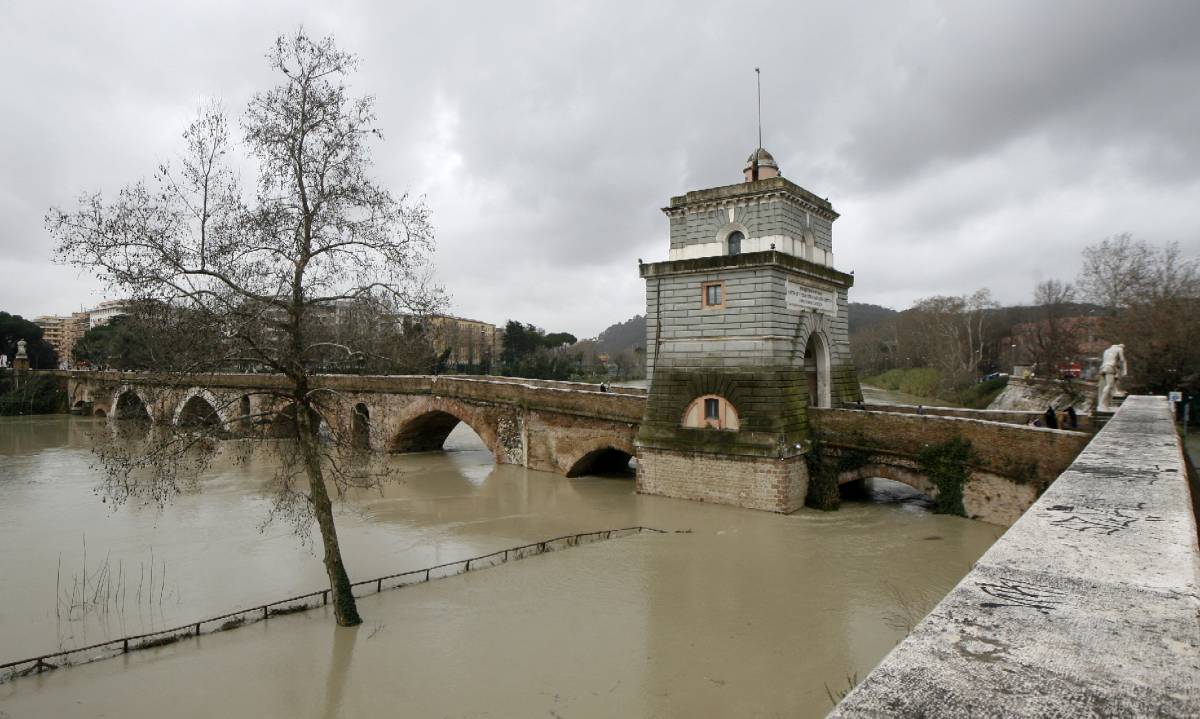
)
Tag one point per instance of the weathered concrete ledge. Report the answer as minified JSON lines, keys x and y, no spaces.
{"x":1088,"y":606}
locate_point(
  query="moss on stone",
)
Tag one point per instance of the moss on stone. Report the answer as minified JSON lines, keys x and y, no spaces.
{"x":946,"y":466}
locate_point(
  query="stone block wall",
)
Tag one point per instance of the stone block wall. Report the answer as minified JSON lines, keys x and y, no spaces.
{"x":770,"y":404}
{"x":774,"y":485}
{"x":755,"y":327}
{"x":774,"y":208}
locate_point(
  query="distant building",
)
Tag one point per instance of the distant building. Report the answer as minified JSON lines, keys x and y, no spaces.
{"x":472,"y":343}
{"x":105,"y":312}
{"x":63,"y":331}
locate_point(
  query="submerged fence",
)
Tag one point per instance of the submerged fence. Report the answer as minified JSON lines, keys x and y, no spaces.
{"x":300,"y":603}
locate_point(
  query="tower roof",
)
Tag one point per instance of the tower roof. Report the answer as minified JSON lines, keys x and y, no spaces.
{"x":767,"y":167}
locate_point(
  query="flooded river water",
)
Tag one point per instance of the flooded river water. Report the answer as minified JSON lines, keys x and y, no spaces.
{"x":749,"y":614}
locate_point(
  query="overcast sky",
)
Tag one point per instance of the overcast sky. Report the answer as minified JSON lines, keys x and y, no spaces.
{"x":966,"y":144}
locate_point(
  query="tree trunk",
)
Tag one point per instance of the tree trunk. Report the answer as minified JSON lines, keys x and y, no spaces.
{"x":344,"y":608}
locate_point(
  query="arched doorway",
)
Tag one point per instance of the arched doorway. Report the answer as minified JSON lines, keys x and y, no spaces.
{"x":816,"y":371}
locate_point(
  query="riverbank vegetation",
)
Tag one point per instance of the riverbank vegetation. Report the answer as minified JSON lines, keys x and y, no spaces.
{"x":33,"y":394}
{"x":1128,"y":291}
{"x":926,"y":382}
{"x":616,"y":354}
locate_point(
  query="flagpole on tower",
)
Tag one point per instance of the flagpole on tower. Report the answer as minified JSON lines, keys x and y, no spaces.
{"x":758,"y":80}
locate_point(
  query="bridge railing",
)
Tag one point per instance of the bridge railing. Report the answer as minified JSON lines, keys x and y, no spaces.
{"x":302,"y":602}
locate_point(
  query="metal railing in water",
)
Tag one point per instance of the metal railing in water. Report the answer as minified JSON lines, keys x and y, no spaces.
{"x":301,"y":602}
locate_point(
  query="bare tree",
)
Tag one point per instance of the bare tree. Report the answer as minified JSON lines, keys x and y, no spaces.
{"x":1115,"y":270}
{"x":263,"y":273}
{"x":1056,"y":335}
{"x":1157,"y":314}
{"x":947,"y":332}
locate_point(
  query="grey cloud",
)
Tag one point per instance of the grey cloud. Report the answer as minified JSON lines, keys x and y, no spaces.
{"x":966,"y":145}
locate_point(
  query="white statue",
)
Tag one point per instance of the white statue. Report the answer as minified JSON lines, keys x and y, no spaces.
{"x":1112,"y":366}
{"x":3,"y":361}
{"x":20,"y":349}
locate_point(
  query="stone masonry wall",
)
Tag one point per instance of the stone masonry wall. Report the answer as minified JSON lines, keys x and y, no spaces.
{"x":754,"y":327}
{"x":766,"y":218}
{"x":774,"y":485}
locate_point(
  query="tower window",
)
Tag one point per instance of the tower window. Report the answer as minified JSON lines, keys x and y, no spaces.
{"x":711,"y":411}
{"x":735,"y":242}
{"x":713,"y":294}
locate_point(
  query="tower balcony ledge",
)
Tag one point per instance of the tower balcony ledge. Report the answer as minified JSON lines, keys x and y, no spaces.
{"x":747,"y":259}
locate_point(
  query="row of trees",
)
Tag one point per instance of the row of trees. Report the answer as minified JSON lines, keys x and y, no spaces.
{"x":34,"y":395}
{"x":532,"y":352}
{"x":1152,"y":294}
{"x":14,"y":328}
{"x":1127,"y":291}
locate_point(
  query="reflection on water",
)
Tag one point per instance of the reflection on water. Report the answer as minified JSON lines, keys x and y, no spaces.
{"x":750,"y":614}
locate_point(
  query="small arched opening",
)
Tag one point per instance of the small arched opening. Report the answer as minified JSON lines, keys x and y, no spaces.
{"x":603,"y":462}
{"x":100,"y":413}
{"x":733,"y":243}
{"x":880,"y":490}
{"x":130,"y":406}
{"x":816,"y":371}
{"x":360,"y":431}
{"x":198,"y":412}
{"x":428,"y":432}
{"x":880,"y":483}
{"x":711,"y":411}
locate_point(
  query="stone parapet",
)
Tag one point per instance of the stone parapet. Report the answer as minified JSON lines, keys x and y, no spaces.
{"x":1087,"y":606}
{"x":1008,"y":416}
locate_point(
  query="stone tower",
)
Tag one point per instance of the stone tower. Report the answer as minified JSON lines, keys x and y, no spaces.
{"x":746,"y":329}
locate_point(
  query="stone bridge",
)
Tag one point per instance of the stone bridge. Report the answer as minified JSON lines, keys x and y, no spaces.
{"x":1010,"y":463}
{"x":572,"y":428}
{"x":563,"y":427}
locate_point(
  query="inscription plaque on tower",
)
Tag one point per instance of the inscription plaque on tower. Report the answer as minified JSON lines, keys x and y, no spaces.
{"x":803,"y":297}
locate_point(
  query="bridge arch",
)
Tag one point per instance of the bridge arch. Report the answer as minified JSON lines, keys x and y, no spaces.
{"x":200,"y":406}
{"x":130,"y":403}
{"x":905,"y":475}
{"x":599,"y":456}
{"x":424,"y":425}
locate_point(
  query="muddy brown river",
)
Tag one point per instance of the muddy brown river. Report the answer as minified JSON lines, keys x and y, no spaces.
{"x":749,"y":614}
